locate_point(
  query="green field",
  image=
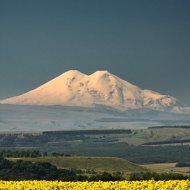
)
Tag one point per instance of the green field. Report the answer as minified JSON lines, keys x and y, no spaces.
{"x":87,"y":164}
{"x":167,"y":144}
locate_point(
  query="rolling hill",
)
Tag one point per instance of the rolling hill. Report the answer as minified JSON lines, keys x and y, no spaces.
{"x":98,"y":164}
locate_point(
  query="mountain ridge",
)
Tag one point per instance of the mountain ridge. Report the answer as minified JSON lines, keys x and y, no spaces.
{"x":74,"y":88}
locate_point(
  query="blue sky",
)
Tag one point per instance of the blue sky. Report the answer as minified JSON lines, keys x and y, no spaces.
{"x":146,"y":42}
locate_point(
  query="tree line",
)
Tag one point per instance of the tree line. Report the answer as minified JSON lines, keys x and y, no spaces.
{"x":28,"y":154}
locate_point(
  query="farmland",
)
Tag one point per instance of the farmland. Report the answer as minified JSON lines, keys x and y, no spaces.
{"x":122,"y":185}
{"x":142,"y":146}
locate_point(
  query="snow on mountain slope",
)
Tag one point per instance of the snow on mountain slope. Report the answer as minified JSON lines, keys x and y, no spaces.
{"x":74,"y":88}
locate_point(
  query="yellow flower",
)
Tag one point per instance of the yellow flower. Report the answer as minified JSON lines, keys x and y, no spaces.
{"x":117,"y":185}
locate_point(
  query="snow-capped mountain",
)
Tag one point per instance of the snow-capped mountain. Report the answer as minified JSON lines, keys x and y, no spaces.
{"x":74,"y":88}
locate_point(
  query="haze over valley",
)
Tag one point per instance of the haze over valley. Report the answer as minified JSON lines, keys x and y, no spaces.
{"x":76,"y":101}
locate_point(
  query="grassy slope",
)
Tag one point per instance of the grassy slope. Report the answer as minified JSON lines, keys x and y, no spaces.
{"x":168,"y":168}
{"x":98,"y":164}
{"x":156,"y":134}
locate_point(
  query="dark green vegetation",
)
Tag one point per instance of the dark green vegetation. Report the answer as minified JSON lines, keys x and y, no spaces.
{"x":21,"y":153}
{"x":170,"y":142}
{"x":156,"y":176}
{"x":182,"y":164}
{"x":26,"y":170}
{"x":152,"y":145}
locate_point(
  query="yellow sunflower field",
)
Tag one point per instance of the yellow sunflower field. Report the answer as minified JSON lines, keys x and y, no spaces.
{"x":118,"y":185}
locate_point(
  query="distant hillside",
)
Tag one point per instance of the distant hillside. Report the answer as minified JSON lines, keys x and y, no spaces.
{"x":164,"y":144}
{"x":98,"y":164}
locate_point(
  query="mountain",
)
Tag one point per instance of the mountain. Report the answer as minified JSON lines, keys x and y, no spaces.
{"x":74,"y":88}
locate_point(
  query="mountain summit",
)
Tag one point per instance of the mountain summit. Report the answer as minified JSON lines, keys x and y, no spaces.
{"x":74,"y":88}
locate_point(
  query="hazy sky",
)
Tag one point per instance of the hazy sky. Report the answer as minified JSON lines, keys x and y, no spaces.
{"x":146,"y":42}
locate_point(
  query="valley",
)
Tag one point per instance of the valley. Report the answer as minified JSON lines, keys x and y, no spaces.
{"x":35,"y":118}
{"x":133,"y":145}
